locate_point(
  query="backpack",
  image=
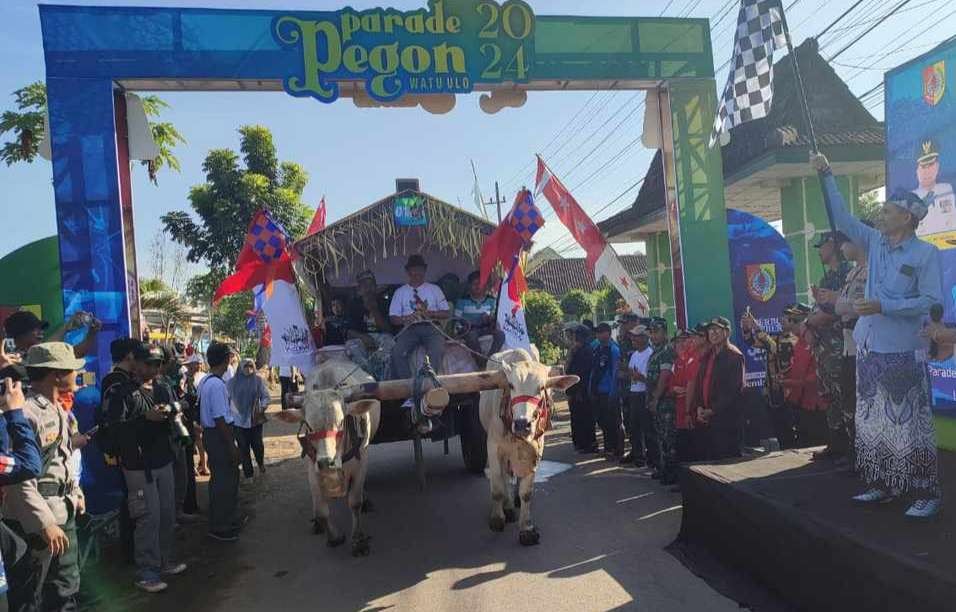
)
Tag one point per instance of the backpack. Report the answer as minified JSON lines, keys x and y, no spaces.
{"x":106,"y":436}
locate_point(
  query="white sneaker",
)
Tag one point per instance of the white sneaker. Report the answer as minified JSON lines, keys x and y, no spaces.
{"x":152,"y":585}
{"x":873,"y":496}
{"x":924,"y":508}
{"x":174,"y":569}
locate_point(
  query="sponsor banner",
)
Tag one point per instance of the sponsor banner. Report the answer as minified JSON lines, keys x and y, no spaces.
{"x":291,"y":340}
{"x":761,"y":267}
{"x":921,"y":157}
{"x":511,"y":319}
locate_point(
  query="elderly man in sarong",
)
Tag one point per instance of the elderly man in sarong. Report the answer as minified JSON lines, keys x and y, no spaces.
{"x":895,"y":434}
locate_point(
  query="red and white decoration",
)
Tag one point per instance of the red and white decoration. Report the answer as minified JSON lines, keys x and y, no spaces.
{"x":601,"y":258}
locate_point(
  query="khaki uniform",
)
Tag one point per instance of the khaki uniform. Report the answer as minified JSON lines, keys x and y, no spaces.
{"x":49,"y":500}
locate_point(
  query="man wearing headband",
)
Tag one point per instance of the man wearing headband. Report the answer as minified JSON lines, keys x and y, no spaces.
{"x":895,"y":431}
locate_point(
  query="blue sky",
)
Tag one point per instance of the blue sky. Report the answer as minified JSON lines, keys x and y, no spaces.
{"x":353,"y":155}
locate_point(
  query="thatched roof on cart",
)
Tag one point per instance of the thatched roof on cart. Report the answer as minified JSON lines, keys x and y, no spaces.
{"x":372,"y":239}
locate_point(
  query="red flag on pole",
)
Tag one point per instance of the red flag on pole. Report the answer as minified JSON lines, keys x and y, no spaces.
{"x":602,"y":260}
{"x":318,"y":221}
{"x":264,"y":258}
{"x":513,"y":234}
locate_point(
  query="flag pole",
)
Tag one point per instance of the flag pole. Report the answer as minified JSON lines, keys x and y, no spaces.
{"x":805,"y":105}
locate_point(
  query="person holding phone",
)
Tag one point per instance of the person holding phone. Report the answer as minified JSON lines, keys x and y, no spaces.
{"x":43,"y":510}
{"x":19,"y":460}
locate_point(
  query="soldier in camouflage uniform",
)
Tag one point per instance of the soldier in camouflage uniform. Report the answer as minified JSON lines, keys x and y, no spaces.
{"x":660,"y":403}
{"x":778,"y":349}
{"x":626,"y":323}
{"x":828,"y":347}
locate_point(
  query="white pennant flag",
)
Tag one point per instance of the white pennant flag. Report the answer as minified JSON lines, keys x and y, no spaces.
{"x":291,"y":339}
{"x":511,"y":320}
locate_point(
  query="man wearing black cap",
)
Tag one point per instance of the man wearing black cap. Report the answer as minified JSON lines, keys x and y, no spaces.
{"x":779,"y":350}
{"x":721,"y":391}
{"x":660,"y":401}
{"x":27,"y":329}
{"x":626,"y":323}
{"x":603,"y":389}
{"x":414,"y":306}
{"x":579,"y":402}
{"x":828,"y":346}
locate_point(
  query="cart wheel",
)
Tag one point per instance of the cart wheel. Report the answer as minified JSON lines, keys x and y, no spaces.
{"x":473,"y":440}
{"x":419,"y":460}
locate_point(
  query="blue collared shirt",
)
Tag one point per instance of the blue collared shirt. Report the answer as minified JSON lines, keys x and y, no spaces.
{"x":906,"y":278}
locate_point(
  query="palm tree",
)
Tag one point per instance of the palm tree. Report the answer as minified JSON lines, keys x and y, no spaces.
{"x":156,"y":296}
{"x":26,"y":124}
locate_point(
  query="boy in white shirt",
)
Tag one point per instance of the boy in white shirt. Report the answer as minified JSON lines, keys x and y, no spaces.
{"x":413,"y":306}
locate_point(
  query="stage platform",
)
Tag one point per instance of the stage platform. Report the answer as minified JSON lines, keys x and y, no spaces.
{"x":789,"y":523}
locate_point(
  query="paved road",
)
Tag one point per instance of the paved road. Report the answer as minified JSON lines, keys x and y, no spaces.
{"x":603,"y":533}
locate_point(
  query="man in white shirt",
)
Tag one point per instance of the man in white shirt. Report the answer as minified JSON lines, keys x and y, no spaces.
{"x":413,"y":307}
{"x":641,"y":422}
{"x":217,"y":417}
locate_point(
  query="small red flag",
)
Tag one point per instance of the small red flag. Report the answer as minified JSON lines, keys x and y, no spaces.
{"x":318,"y":221}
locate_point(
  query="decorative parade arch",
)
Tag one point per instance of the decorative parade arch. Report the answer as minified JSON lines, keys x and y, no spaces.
{"x":375,"y":57}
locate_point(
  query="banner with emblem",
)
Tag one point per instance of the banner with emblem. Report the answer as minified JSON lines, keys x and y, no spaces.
{"x":762,"y":278}
{"x":921,"y":157}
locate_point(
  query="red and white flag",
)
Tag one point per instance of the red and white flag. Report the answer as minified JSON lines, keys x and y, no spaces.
{"x":601,"y":258}
{"x":318,"y":221}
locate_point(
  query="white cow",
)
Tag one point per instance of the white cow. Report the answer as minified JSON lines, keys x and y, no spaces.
{"x":336,"y":439}
{"x":516,"y":419}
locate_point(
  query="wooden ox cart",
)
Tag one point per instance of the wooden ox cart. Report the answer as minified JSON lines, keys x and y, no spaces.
{"x":379,"y":238}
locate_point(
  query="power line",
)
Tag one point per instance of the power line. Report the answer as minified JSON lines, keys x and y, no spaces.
{"x":840,"y":18}
{"x":892,"y":12}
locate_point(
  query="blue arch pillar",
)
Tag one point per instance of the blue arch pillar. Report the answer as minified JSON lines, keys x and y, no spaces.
{"x":88,"y":213}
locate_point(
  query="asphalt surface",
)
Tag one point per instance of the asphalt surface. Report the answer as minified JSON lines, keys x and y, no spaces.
{"x":603,"y":528}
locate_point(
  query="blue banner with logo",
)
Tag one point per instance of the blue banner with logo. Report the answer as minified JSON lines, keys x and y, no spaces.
{"x":921,"y":157}
{"x":761,"y":267}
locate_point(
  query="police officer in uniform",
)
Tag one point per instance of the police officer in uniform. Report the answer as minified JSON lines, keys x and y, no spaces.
{"x":44,"y":509}
{"x":660,"y":367}
{"x":778,"y":349}
{"x":827,"y":329}
{"x":626,"y":323}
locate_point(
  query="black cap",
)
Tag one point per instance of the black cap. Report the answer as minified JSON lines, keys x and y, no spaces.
{"x":719,"y":322}
{"x":364,"y":275}
{"x":602,"y":327}
{"x":657,"y":323}
{"x":22,"y":322}
{"x":416,"y":261}
{"x":148,"y":354}
{"x":629,"y":317}
{"x":700,"y":329}
{"x":797,"y":310}
{"x":825,"y":237}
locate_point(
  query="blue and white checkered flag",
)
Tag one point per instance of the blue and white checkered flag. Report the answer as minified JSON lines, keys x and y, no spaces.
{"x":749,"y":91}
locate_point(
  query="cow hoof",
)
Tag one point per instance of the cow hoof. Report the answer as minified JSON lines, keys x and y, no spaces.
{"x":496,"y":523}
{"x":360,"y":547}
{"x":367,"y":506}
{"x":511,"y":515}
{"x":529,"y":537}
{"x":333,"y":542}
{"x":317,"y":527}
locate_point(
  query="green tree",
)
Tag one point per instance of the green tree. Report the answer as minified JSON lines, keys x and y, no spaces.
{"x":576,"y":304}
{"x":543,"y":316}
{"x":228,"y":318}
{"x":26,"y":125}
{"x":225,"y":203}
{"x":607,"y":304}
{"x":155,"y":295}
{"x":869,"y":206}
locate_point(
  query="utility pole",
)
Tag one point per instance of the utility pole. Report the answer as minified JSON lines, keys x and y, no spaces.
{"x":497,"y":202}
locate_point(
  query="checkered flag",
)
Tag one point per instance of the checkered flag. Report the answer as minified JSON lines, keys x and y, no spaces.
{"x":761,"y":29}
